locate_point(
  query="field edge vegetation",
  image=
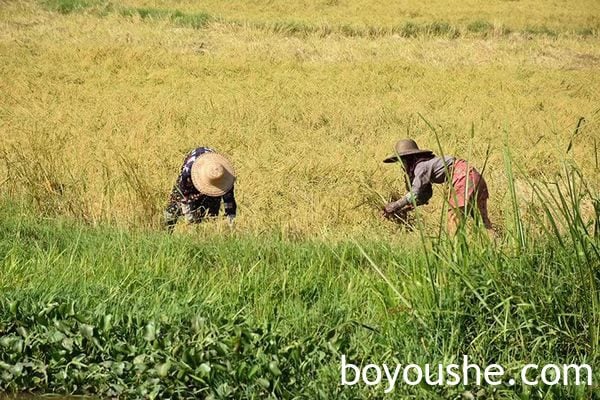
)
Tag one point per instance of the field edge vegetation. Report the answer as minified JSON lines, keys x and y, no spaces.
{"x":408,"y":29}
{"x":84,"y":309}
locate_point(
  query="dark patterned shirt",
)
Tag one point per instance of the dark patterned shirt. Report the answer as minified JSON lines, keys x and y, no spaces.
{"x":189,"y":196}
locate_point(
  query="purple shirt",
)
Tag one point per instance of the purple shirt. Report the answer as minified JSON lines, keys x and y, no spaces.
{"x":426,"y":173}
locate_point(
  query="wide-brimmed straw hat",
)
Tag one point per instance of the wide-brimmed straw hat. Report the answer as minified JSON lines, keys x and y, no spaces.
{"x":405,"y":147}
{"x":213,"y":174}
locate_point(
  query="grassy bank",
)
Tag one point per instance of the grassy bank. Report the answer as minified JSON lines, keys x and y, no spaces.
{"x":107,"y":312}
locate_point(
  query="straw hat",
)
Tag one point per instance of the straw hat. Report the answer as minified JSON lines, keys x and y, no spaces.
{"x":212,"y":174}
{"x":405,"y":147}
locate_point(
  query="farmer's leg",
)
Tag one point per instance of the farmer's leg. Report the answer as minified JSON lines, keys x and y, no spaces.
{"x":454,"y":220}
{"x":482,"y":196}
{"x":483,"y":211}
{"x":172,"y":211}
{"x":476,"y":199}
{"x":193,"y":212}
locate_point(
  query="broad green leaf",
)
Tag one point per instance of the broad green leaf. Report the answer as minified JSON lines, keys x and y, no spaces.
{"x":263,"y":382}
{"x":87,"y":330}
{"x":274,"y":368}
{"x":163,"y":369}
{"x":150,"y":332}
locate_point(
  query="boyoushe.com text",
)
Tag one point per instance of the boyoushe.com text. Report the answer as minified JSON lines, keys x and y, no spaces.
{"x":465,"y":373}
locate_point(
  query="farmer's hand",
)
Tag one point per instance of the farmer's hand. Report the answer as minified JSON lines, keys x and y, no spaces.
{"x":390,"y":208}
{"x":395,"y":207}
{"x":230,"y":220}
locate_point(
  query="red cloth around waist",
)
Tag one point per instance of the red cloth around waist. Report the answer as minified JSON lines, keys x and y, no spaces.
{"x":467,"y":183}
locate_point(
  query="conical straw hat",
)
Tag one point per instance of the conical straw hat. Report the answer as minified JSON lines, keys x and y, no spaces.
{"x":212,"y":174}
{"x":405,"y":147}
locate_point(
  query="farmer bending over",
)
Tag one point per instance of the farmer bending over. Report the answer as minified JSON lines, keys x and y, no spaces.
{"x":424,"y":168}
{"x":205,"y":179}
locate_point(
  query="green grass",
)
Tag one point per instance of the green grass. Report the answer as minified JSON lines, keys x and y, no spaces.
{"x":69,"y":6}
{"x":191,"y":20}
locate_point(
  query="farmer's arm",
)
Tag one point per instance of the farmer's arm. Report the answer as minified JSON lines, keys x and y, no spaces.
{"x":230,"y":204}
{"x":186,"y":189}
{"x":420,"y":191}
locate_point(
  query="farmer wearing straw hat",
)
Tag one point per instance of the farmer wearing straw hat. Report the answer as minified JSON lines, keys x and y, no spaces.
{"x":205,"y":179}
{"x":423,"y":168}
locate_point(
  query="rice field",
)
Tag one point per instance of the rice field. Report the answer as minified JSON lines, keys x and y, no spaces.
{"x":100,"y":101}
{"x":108,"y":105}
